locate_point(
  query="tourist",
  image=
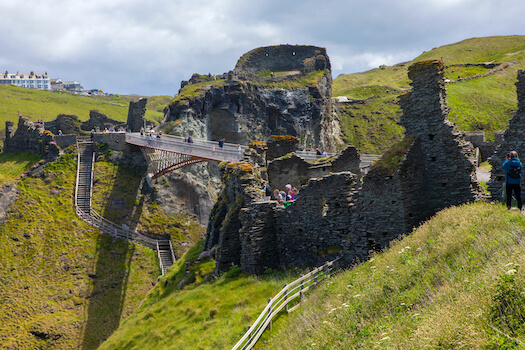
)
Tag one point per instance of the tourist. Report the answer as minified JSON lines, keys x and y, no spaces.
{"x":59,"y":132}
{"x":278,"y":196}
{"x":512,"y":167}
{"x":141,"y":131}
{"x":324,"y":153}
{"x":289,"y":194}
{"x":221,"y":143}
{"x":92,"y":134}
{"x":239,"y":152}
{"x":317,"y":152}
{"x":267,"y":190}
{"x":295,"y":193}
{"x":190,"y":140}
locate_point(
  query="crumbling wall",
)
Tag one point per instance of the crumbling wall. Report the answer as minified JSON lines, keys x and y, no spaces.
{"x":297,"y":172}
{"x":513,"y":140}
{"x":283,"y":58}
{"x":136,"y":113}
{"x":447,"y":159}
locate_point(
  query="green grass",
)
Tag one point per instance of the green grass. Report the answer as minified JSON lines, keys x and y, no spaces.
{"x":46,"y":105}
{"x":58,"y":275}
{"x":484,"y":103}
{"x":203,"y":315}
{"x":12,"y":165}
{"x":455,"y":282}
{"x":372,"y":125}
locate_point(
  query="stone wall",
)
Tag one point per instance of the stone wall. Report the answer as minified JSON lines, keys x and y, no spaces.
{"x":68,"y":124}
{"x":115,"y":141}
{"x":99,"y":122}
{"x":297,"y":172}
{"x":136,"y":113}
{"x":447,"y":159}
{"x":514,"y":140}
{"x":486,"y":148}
{"x":283,"y":58}
{"x":279,"y":145}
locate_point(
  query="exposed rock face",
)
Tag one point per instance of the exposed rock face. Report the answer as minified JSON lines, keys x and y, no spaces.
{"x":181,"y":193}
{"x":8,"y":195}
{"x":136,"y":113}
{"x":514,"y":140}
{"x":240,"y":190}
{"x":244,"y":111}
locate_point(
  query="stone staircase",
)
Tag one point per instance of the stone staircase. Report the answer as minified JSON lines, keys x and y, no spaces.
{"x":165,"y":253}
{"x":83,"y":198}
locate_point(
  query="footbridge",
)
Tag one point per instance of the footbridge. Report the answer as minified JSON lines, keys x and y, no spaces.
{"x":168,"y":153}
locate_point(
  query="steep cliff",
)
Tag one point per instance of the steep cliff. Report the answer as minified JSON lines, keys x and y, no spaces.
{"x":254,"y":103}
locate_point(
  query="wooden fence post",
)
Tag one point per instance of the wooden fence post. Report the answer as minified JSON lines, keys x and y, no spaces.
{"x":285,"y":299}
{"x":269,"y":313}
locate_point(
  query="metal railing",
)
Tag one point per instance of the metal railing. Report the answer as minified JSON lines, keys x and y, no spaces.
{"x":280,"y":302}
{"x":106,"y":226}
{"x":198,"y":148}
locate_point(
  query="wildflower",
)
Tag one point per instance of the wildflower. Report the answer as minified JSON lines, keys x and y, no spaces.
{"x":511,"y":272}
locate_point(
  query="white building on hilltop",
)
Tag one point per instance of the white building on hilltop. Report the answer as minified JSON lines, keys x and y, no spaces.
{"x":30,"y":81}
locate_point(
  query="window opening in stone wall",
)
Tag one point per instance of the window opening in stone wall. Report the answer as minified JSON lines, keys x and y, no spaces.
{"x":433,"y":159}
{"x":430,"y":137}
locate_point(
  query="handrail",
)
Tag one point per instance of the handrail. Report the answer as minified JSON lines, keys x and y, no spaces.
{"x":281,"y":300}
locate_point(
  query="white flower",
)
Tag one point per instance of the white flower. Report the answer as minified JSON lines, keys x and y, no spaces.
{"x":511,"y":272}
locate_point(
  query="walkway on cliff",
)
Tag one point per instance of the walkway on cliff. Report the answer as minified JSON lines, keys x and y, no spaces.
{"x":169,"y":153}
{"x":83,"y":200}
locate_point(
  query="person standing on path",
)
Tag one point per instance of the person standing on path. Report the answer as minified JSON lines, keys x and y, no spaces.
{"x":512,"y":167}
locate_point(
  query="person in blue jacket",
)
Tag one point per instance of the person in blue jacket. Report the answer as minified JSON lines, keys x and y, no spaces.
{"x":512,"y":167}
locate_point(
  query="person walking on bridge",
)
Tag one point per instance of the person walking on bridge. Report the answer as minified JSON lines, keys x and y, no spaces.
{"x":513,"y":167}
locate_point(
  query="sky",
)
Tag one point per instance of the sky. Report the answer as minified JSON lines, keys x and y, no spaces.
{"x":148,"y":47}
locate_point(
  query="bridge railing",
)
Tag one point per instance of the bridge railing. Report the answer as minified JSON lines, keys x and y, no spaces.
{"x":281,"y":300}
{"x":199,"y":148}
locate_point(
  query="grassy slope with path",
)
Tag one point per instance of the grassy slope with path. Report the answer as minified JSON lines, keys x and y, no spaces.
{"x":62,"y":284}
{"x":484,"y":103}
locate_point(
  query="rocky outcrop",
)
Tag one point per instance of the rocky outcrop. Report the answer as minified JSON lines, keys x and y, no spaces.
{"x":241,"y":182}
{"x":513,"y":140}
{"x":242,"y":111}
{"x":180,"y":193}
{"x":8,"y":195}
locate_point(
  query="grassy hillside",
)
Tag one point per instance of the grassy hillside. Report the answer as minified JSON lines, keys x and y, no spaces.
{"x":455,"y":282}
{"x":46,"y":105}
{"x":485,"y":103}
{"x":62,"y":284}
{"x":204,"y":314}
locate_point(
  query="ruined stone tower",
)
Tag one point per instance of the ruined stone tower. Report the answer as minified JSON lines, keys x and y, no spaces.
{"x":136,"y":113}
{"x":447,"y":159}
